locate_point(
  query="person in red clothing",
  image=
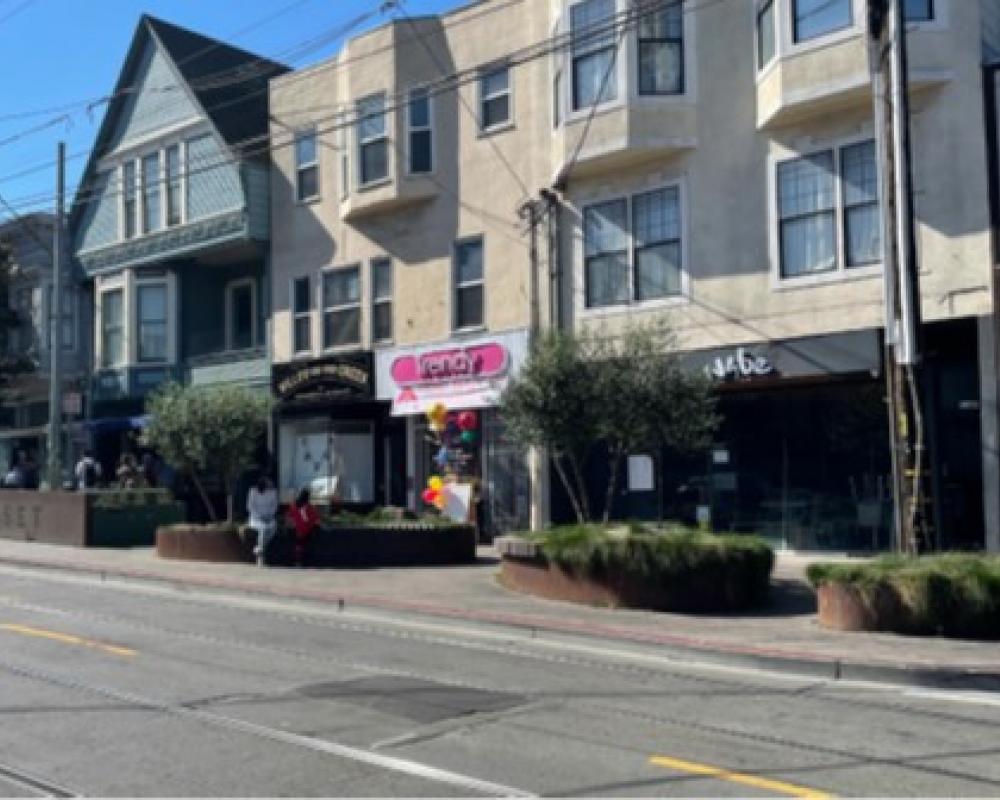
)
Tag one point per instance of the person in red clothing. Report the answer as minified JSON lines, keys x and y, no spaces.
{"x":304,"y":518}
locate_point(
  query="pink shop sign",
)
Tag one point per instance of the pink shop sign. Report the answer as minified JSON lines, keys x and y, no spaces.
{"x":451,"y":366}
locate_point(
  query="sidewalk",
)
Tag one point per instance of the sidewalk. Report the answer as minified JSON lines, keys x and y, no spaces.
{"x":783,"y":636}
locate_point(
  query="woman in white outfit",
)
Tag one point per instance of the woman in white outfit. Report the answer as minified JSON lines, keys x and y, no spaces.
{"x":262,"y":505}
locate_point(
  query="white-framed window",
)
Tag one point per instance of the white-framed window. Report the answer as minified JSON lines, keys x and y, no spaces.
{"x":151,"y":322}
{"x":828,"y":211}
{"x":152,"y":205}
{"x":468,"y":277}
{"x":420,"y":137}
{"x":112,"y":328}
{"x":241,"y":314}
{"x":373,"y":140}
{"x":632,"y":249}
{"x":661,"y":51}
{"x":381,"y":315}
{"x":766,"y":33}
{"x":67,"y":319}
{"x":174,"y":179}
{"x":302,"y":315}
{"x":306,"y":166}
{"x":812,"y":19}
{"x":593,"y":56}
{"x":495,"y":107}
{"x":129,"y":204}
{"x":341,"y":292}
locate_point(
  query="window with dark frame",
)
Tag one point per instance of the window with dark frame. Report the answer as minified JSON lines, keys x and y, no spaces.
{"x":302,"y":315}
{"x":606,"y":253}
{"x":418,"y":119}
{"x":661,"y":51}
{"x":862,"y":218}
{"x":174,"y":209}
{"x":812,"y":19}
{"x":151,"y":319}
{"x":468,"y":283}
{"x":592,"y":32}
{"x":381,"y":299}
{"x":112,"y":329}
{"x":656,"y":244}
{"x":306,"y":166}
{"x":152,"y":209}
{"x":342,"y":307}
{"x":373,"y":140}
{"x":494,"y":98}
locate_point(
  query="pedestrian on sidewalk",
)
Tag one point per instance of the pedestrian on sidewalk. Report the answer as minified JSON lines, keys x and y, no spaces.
{"x":87,"y":472}
{"x":304,"y":518}
{"x":262,"y":506}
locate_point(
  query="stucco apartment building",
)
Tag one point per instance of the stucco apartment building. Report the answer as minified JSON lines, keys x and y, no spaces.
{"x":711,"y":163}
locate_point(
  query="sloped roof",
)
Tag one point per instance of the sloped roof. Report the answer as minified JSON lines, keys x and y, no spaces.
{"x":230,"y":85}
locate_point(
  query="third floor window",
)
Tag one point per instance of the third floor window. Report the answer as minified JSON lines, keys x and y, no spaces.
{"x":373,"y":140}
{"x":594,"y":49}
{"x":661,"y":51}
{"x":814,"y":18}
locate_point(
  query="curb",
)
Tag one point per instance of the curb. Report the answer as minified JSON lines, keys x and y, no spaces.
{"x":682,"y":648}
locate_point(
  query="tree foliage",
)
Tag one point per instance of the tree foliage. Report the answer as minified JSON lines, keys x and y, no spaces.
{"x":208,"y":431}
{"x":629,"y":392}
{"x":11,"y":362}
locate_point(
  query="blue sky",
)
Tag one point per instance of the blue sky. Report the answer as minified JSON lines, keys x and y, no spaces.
{"x":62,"y":52}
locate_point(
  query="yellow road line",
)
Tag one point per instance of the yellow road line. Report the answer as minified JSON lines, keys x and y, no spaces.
{"x":764,"y":784}
{"x":67,"y":638}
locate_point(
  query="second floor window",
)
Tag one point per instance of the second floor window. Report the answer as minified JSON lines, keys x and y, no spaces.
{"x":593,"y":52}
{"x":661,"y":51}
{"x":808,"y":201}
{"x":240,"y":302}
{"x":152,"y":215}
{"x":765,"y":33}
{"x":342,"y":307}
{"x":418,"y":120}
{"x":494,"y":99}
{"x":302,"y":315}
{"x":306,"y":166}
{"x":128,"y":199}
{"x":381,"y":300}
{"x":112,"y":329}
{"x":373,"y":140}
{"x":814,"y":18}
{"x":151,"y":318}
{"x":468,"y":277}
{"x":174,"y":185}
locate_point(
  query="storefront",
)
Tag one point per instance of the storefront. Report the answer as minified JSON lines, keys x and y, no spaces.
{"x":333,"y":437}
{"x":466,"y":375}
{"x":802,"y":455}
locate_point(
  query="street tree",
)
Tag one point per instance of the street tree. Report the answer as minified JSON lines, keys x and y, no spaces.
{"x":208,"y":431}
{"x":629,"y":392}
{"x":12,"y":361}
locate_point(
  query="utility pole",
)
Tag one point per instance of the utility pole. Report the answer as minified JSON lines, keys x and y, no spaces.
{"x":530,"y":211}
{"x":912,"y":500}
{"x":55,"y":471}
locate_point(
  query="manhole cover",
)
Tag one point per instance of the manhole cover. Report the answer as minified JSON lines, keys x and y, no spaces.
{"x":414,"y":699}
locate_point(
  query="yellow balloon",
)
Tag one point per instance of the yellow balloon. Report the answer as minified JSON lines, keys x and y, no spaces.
{"x":435,"y":483}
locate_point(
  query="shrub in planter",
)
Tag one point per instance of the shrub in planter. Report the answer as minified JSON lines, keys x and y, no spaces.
{"x":950,"y":595}
{"x":670,"y":569}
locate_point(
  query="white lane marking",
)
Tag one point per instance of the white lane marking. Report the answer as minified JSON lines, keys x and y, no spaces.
{"x":391,"y":763}
{"x":509,"y":635}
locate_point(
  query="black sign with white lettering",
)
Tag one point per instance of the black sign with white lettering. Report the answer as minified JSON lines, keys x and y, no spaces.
{"x":343,"y":378}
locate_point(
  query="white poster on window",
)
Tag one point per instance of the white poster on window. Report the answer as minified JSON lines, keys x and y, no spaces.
{"x":459,"y":500}
{"x":640,"y":474}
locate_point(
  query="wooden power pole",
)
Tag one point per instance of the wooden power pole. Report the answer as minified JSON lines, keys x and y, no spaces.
{"x":911,"y":458}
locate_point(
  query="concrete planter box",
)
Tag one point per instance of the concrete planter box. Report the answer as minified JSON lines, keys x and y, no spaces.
{"x":86,"y":519}
{"x":524,"y":568}
{"x":204,"y":543}
{"x":341,"y":546}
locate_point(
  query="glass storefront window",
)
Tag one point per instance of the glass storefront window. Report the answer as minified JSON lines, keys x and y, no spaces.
{"x":333,"y":459}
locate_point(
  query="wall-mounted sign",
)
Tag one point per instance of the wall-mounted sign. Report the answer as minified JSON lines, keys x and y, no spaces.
{"x":741,"y":363}
{"x":335,"y":379}
{"x":479,"y":362}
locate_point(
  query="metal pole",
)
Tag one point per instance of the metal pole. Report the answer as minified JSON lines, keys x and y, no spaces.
{"x":55,"y":471}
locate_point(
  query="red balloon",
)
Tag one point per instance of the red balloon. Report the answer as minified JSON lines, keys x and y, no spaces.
{"x":467,"y":421}
{"x":429,"y":496}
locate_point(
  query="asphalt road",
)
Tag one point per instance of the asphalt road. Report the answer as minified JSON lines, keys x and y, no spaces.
{"x":128,"y":689}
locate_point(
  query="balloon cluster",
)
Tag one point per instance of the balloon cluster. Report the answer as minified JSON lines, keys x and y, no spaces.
{"x":449,"y":431}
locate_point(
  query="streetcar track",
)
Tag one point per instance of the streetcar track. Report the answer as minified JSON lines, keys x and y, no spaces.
{"x":26,"y":780}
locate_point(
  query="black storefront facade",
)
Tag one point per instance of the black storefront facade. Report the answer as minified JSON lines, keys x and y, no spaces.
{"x":802,"y":455}
{"x":333,"y":437}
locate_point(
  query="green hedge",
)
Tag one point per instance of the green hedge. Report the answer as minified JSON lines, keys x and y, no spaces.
{"x":951,"y":595}
{"x":698,"y":570}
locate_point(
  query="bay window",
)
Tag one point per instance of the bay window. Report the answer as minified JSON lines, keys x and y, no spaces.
{"x":661,"y":51}
{"x":418,"y":120}
{"x":129,"y":205}
{"x":151,"y":322}
{"x":112,"y":328}
{"x":174,"y":213}
{"x":151,"y":206}
{"x":592,"y":32}
{"x":766,"y":49}
{"x":342,"y":307}
{"x":373,"y":140}
{"x":814,"y":18}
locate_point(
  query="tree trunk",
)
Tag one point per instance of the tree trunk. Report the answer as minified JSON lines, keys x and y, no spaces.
{"x":230,"y":506}
{"x":204,"y":497}
{"x":609,"y":498}
{"x":581,"y":487}
{"x":570,"y":491}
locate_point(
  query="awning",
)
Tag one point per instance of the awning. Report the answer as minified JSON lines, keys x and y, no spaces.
{"x":117,"y":424}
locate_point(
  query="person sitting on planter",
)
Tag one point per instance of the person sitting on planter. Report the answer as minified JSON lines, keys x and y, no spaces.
{"x":304,"y":518}
{"x":262,"y":506}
